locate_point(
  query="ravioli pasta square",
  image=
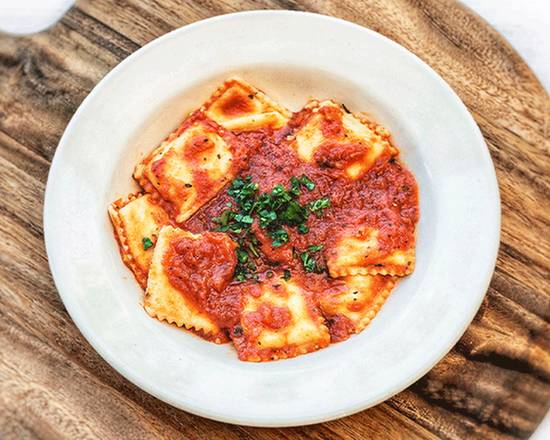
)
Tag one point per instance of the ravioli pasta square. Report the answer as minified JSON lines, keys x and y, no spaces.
{"x":164,"y":301}
{"x":191,"y":166}
{"x":359,"y":251}
{"x":279,"y":320}
{"x":238,"y":106}
{"x":331,"y":137}
{"x":352,"y":306}
{"x":137,"y":220}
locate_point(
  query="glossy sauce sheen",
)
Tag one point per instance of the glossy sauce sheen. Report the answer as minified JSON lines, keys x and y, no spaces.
{"x":386,"y":198}
{"x":201,"y":270}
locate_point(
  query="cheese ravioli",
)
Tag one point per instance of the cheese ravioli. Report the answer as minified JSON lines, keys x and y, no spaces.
{"x":334,"y":138}
{"x":191,"y":166}
{"x":166,"y":302}
{"x":137,"y":221}
{"x":278,"y":231}
{"x":279,"y":320}
{"x":238,"y":106}
{"x":351,"y":307}
{"x":359,"y":251}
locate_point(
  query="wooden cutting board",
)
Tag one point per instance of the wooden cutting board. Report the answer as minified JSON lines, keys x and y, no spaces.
{"x":495,"y":383}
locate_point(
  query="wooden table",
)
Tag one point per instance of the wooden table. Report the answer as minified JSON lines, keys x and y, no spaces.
{"x":494,"y":384}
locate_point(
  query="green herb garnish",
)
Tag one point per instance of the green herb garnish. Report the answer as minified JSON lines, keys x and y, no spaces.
{"x":242,"y":256}
{"x":147,"y":243}
{"x":245,"y":267}
{"x":315,"y":248}
{"x":243,"y":191}
{"x":267,"y":217}
{"x":247,"y":219}
{"x":224,"y":219}
{"x":286,"y":274}
{"x":275,"y":211}
{"x":278,"y":236}
{"x":302,"y":229}
{"x":318,"y":205}
{"x":310,"y":262}
{"x":253,"y":249}
{"x":294,"y":186}
{"x":307,"y":182}
{"x":293,"y":214}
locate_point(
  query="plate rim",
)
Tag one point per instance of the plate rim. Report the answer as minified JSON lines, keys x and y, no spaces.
{"x":127,"y":373}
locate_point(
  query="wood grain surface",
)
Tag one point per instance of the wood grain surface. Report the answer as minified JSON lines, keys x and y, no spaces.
{"x":495,"y":383}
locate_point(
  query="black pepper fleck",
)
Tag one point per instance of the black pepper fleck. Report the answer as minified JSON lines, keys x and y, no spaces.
{"x":238,"y":331}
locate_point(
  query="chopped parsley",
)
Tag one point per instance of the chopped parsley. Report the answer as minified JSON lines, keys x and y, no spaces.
{"x":147,"y":243}
{"x":247,"y":219}
{"x":278,"y":236}
{"x":296,"y":182}
{"x":293,"y":214}
{"x":302,"y":229}
{"x":311,"y":262}
{"x":245,"y":268}
{"x":243,"y":191}
{"x":252,"y":246}
{"x":294,"y":186}
{"x":244,"y":273}
{"x":315,"y":248}
{"x":242,"y":256}
{"x":275,"y":211}
{"x":318,"y":205}
{"x":286,"y":274}
{"x":307,"y":182}
{"x":267,"y":217}
{"x":246,"y":253}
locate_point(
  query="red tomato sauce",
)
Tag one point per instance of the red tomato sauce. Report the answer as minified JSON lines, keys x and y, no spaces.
{"x":237,"y":104}
{"x":340,"y":328}
{"x":385,"y":198}
{"x":338,"y":155}
{"x":202,"y":269}
{"x":270,"y":316}
{"x":331,"y":125}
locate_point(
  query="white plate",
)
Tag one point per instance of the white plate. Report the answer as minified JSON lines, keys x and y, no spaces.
{"x":292,"y":56}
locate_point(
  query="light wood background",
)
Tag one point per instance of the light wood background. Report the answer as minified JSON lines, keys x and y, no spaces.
{"x":494,"y":384}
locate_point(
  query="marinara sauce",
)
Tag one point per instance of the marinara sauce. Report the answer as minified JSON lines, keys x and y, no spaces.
{"x":384,"y":198}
